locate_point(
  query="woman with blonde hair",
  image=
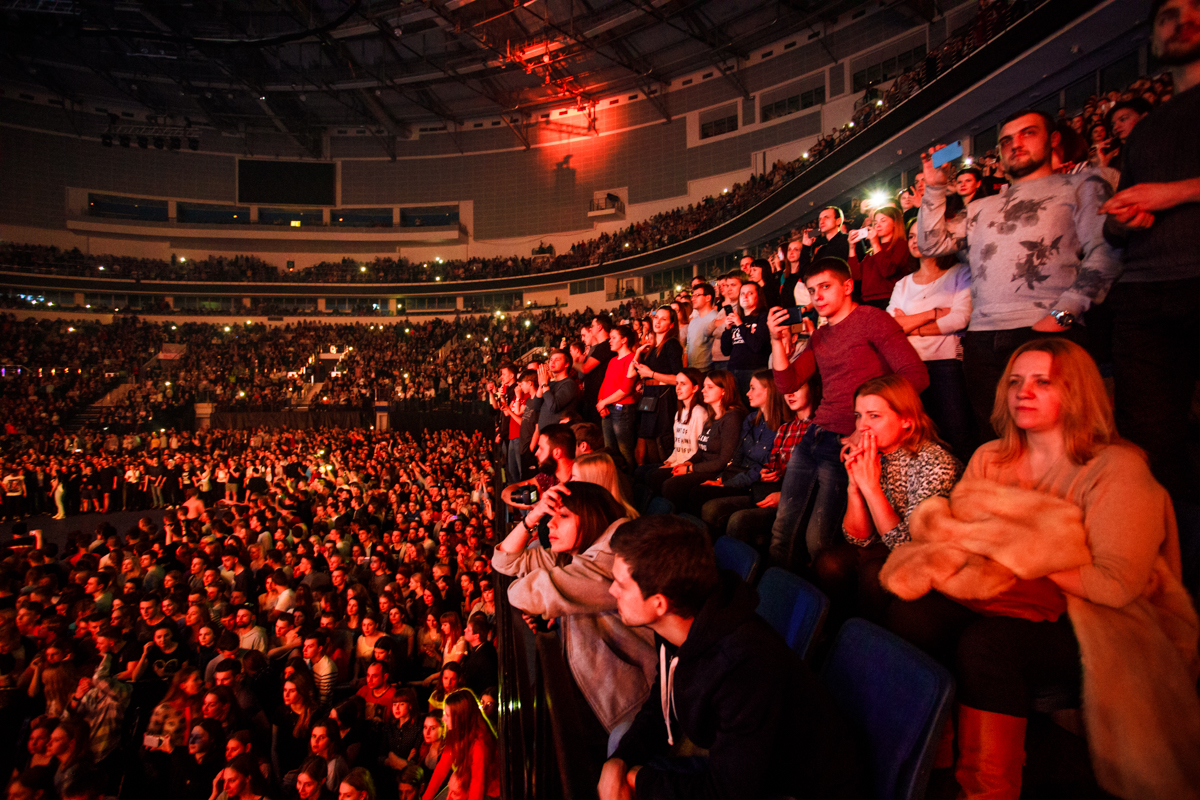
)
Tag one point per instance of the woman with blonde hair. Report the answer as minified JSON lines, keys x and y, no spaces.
{"x":600,"y":469}
{"x":1098,"y":538}
{"x":897,"y":462}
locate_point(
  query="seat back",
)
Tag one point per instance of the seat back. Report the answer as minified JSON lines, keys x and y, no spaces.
{"x":658,"y":505}
{"x":736,"y":555}
{"x":793,"y":606}
{"x":897,"y":697}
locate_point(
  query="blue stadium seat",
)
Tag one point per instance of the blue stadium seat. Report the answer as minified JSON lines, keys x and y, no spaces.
{"x":897,"y":697}
{"x":793,"y":606}
{"x":736,"y":555}
{"x":659,"y":505}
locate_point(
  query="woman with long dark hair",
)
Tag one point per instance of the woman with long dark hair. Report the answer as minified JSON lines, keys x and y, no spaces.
{"x":717,"y":498}
{"x":292,"y":724}
{"x":690,"y":416}
{"x":717,"y":444}
{"x":657,"y":362}
{"x":568,"y":577}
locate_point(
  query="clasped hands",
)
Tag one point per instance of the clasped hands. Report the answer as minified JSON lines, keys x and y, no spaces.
{"x":862,"y":461}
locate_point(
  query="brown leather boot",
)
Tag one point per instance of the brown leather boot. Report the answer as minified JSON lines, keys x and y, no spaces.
{"x":991,"y":754}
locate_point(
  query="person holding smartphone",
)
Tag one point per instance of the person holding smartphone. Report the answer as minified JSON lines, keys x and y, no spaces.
{"x":745,"y":339}
{"x":888,"y":261}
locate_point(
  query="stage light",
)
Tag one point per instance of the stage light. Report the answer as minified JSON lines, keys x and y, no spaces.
{"x":193,"y":143}
{"x":878,"y":199}
{"x":143,"y":142}
{"x":159,"y":143}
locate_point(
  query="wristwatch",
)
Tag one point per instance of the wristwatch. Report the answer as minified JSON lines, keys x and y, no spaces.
{"x":1064,"y":318}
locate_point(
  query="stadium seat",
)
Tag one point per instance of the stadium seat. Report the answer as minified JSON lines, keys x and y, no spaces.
{"x":659,"y":505}
{"x":734,"y":554}
{"x":793,"y":606}
{"x":897,"y":697}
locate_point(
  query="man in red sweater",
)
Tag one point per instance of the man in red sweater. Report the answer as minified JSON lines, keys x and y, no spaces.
{"x":858,"y":343}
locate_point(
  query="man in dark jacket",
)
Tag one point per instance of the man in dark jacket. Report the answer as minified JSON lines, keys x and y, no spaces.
{"x":732,"y":685}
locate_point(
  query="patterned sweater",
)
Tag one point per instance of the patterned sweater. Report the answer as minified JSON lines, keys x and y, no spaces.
{"x":1038,"y":246}
{"x":907,"y":479}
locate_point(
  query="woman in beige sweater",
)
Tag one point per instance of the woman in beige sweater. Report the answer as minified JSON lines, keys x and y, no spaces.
{"x":613,"y":665}
{"x":1057,"y":436}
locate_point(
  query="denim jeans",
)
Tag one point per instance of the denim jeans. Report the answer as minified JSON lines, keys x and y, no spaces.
{"x":814,"y":473}
{"x":620,"y":430}
{"x":514,"y":460}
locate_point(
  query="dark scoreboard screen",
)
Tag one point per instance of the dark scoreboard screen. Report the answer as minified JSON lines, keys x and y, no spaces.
{"x":292,"y":183}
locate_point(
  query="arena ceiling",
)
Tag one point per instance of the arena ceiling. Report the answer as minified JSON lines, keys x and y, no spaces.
{"x":305,"y":67}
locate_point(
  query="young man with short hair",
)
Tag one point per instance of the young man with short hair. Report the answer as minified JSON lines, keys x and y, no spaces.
{"x":702,"y":327}
{"x":324,"y":671}
{"x":730,"y":287}
{"x":727,"y":683}
{"x":557,"y":397}
{"x":859,"y":343}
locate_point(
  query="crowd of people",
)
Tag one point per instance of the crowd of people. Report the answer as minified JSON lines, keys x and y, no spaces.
{"x":310,"y":616}
{"x":906,"y":409}
{"x":912,"y":415}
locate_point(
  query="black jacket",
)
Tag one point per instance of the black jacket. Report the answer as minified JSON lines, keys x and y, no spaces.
{"x":742,"y":694}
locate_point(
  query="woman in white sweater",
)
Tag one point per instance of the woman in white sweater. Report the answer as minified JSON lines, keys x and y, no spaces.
{"x":689,"y":417}
{"x":933,"y":306}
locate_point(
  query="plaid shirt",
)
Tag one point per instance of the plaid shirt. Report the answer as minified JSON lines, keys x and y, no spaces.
{"x":786,"y":439}
{"x":104,"y":709}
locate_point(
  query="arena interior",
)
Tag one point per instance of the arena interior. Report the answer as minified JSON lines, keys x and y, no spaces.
{"x":599,"y":399}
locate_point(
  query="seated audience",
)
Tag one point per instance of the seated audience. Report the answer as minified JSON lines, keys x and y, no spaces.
{"x":717,"y":445}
